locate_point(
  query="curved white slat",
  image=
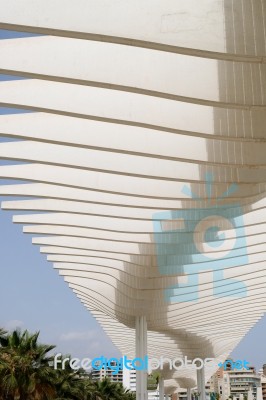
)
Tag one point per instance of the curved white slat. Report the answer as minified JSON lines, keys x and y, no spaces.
{"x":195,"y":152}
{"x":125,"y":107}
{"x":121,"y":184}
{"x":186,"y":78}
{"x":171,"y":23}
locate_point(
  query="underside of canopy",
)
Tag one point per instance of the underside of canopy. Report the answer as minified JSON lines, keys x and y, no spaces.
{"x":141,"y":114}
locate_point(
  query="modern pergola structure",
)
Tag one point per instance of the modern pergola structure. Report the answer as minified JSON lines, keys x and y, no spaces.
{"x":134,"y":105}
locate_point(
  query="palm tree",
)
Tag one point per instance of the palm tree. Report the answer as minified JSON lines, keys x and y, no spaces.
{"x":72,"y":384}
{"x":124,"y":393}
{"x":25,"y":373}
{"x":107,"y":390}
{"x":130,"y":395}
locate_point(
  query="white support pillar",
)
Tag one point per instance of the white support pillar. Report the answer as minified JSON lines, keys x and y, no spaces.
{"x":188,"y":394}
{"x":161,"y":388}
{"x":203,"y":396}
{"x":250,"y":394}
{"x":259,"y":393}
{"x":201,"y":383}
{"x":141,"y":352}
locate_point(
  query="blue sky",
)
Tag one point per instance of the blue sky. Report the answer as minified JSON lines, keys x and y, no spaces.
{"x":34,"y":296}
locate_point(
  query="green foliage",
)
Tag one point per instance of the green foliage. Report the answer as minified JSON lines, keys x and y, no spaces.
{"x":27,"y":373}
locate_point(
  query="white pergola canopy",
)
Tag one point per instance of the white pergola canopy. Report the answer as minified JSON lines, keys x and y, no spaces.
{"x":136,"y":108}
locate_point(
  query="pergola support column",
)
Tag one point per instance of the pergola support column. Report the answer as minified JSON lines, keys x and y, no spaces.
{"x":141,"y":352}
{"x":201,"y":383}
{"x":161,"y":388}
{"x":259,"y":393}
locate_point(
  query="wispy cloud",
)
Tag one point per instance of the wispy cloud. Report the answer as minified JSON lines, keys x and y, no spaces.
{"x":13,"y":324}
{"x":85,"y":343}
{"x":87,"y":335}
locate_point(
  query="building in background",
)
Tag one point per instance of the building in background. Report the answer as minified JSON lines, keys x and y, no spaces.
{"x":100,"y":374}
{"x":217,"y":380}
{"x":126,"y":376}
{"x":233,"y":384}
{"x":241,"y":382}
{"x":129,"y":379}
{"x":262,"y":373}
{"x":129,"y":382}
{"x":229,"y":384}
{"x":238,"y":384}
